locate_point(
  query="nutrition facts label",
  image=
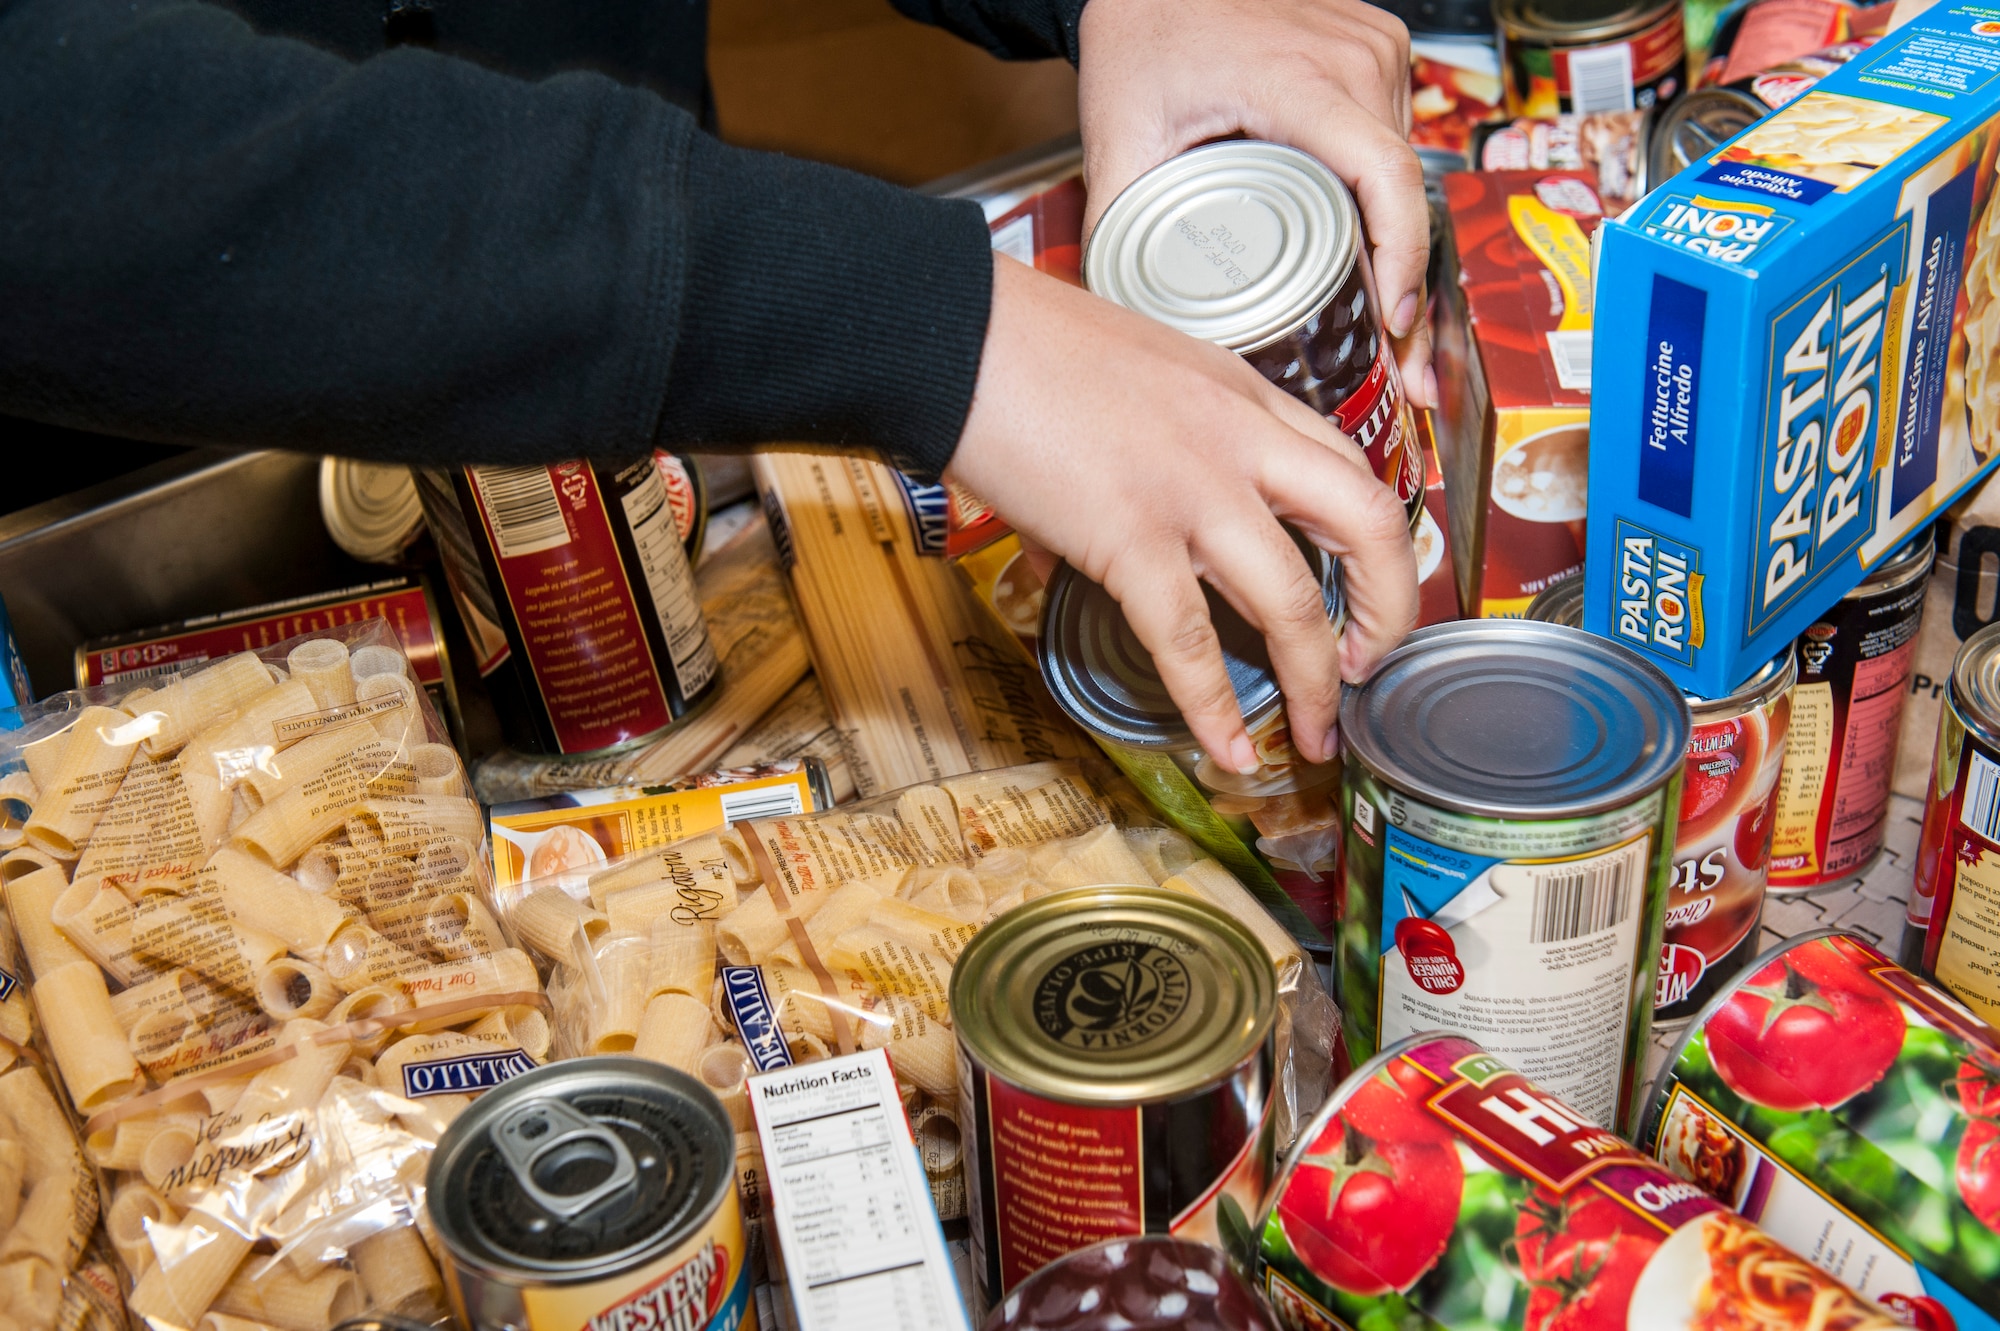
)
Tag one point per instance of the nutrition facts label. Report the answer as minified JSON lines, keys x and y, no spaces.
{"x":861,"y":1240}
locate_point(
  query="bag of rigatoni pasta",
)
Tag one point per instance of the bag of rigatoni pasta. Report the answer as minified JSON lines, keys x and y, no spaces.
{"x":250,"y":898}
{"x":822,"y":933}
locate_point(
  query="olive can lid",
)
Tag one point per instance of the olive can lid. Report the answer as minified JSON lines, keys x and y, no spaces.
{"x":1103,"y":677}
{"x":1236,"y":243}
{"x":1906,"y":564}
{"x":581,"y":1168}
{"x":370,"y":509}
{"x":1113,"y":995}
{"x":1509,"y":718}
{"x":1561,"y":602}
{"x":1695,"y":125}
{"x":1975,"y":682}
{"x":1569,"y":22}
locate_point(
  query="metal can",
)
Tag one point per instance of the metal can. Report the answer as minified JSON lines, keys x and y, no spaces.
{"x":575,"y":589}
{"x":1440,"y":1188}
{"x":1694,"y":126}
{"x":1287,"y":810}
{"x":1848,"y":1109}
{"x":1610,"y":145}
{"x":1847,"y":709}
{"x":1115,"y":1061}
{"x":687,"y":496}
{"x":1512,"y":789}
{"x":370,"y":508}
{"x":1126,"y":1284}
{"x":1722,"y":841}
{"x":1587,"y":56}
{"x":594,"y":1193}
{"x":1957,"y":877}
{"x":1259,"y":248}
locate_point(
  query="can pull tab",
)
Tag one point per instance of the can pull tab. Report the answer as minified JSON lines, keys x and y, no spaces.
{"x":566,"y":1162}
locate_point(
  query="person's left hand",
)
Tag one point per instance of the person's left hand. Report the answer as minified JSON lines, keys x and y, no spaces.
{"x":1329,"y":77}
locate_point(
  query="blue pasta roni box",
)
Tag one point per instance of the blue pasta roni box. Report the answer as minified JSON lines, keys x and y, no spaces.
{"x":1806,"y":362}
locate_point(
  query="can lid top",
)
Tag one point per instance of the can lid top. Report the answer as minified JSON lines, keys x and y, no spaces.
{"x":1113,"y":995}
{"x":1694,"y":125}
{"x":1509,"y":718}
{"x":1907,"y":563}
{"x":1975,"y":682}
{"x":1573,"y":20}
{"x":1235,"y":243}
{"x":1561,"y":602}
{"x":1104,"y":678}
{"x":370,"y":509}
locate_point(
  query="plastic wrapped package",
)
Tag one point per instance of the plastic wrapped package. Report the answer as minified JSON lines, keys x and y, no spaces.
{"x":254,"y":919}
{"x":786,"y":940}
{"x":48,"y":1206}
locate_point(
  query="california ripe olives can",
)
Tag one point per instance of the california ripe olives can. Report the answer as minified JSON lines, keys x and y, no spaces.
{"x":1852,"y":1111}
{"x":1957,"y":885}
{"x":597,"y":1194}
{"x":1439,"y":1188}
{"x":1115,"y":1056}
{"x":1511,"y":794}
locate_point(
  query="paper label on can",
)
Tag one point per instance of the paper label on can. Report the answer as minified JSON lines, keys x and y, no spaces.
{"x":1376,"y":416}
{"x":657,"y":535}
{"x":1064,"y":1177}
{"x":703,"y":1285}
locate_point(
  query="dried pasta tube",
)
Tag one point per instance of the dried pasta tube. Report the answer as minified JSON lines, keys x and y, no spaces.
{"x":1100,"y":856}
{"x":325,"y":866}
{"x":44,"y":755}
{"x":196,"y":932}
{"x":437,"y":769}
{"x":31,"y":902}
{"x":892,"y":964}
{"x":321,"y":665}
{"x":17,"y":1020}
{"x":295,"y":818}
{"x":723,"y":1066}
{"x":624,"y":966}
{"x":367,"y":1003}
{"x":507,"y":971}
{"x":755,"y":929}
{"x":525,"y":1027}
{"x":281,"y":1298}
{"x":845,"y":908}
{"x":675,"y":1031}
{"x":1163,"y":851}
{"x":289,"y":988}
{"x":387,"y":882}
{"x":168,"y":1152}
{"x":942,"y":934}
{"x":290,"y":769}
{"x":169,"y":991}
{"x":683,"y":958}
{"x":98,"y":919}
{"x":736,"y":1103}
{"x":397,"y":722}
{"x":30,"y":1292}
{"x":446,"y":860}
{"x":396,"y":1272}
{"x":357,"y":957}
{"x":46,"y":1221}
{"x":950,"y":891}
{"x":928,"y":1060}
{"x":632,"y":910}
{"x":135,"y":1208}
{"x":549,"y":919}
{"x":458,"y":927}
{"x":696,"y":869}
{"x":195,"y":702}
{"x":84,"y":1035}
{"x":265,"y":899}
{"x":164,"y":1041}
{"x":373,"y":659}
{"x":939,"y":1143}
{"x":123,"y":1144}
{"x":18,"y":794}
{"x":742,"y":864}
{"x":13,"y":1161}
{"x":25,"y":860}
{"x":195,"y":1260}
{"x":1218,"y":887}
{"x":295,"y":1085}
{"x":81,"y":786}
{"x":215,"y":1321}
{"x":408,"y":823}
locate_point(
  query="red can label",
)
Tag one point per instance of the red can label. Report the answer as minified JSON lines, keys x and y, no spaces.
{"x":1376,"y":416}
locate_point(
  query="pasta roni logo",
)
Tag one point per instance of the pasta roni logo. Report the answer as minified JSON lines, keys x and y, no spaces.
{"x":1725,"y":230}
{"x":684,"y":1299}
{"x":750,"y":1007}
{"x":466,"y":1074}
{"x":1657,"y":593}
{"x":1816,"y":471}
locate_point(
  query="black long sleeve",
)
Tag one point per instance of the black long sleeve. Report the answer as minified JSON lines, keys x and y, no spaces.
{"x":212,"y":236}
{"x":1010,"y":29}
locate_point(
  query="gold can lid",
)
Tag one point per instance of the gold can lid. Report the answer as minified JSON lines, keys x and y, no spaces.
{"x":1113,"y":995}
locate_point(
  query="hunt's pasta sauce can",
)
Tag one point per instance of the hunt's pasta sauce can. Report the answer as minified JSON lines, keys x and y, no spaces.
{"x":1852,"y":1111}
{"x":1955,"y":898}
{"x":592,"y":1195}
{"x":1259,"y":248}
{"x":1722,"y":840}
{"x":1511,"y":794}
{"x":573,"y":583}
{"x":1440,"y":1188}
{"x":1847,"y":710}
{"x":1115,"y":1057}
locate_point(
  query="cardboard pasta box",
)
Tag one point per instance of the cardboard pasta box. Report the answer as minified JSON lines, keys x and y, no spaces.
{"x":1804,"y":367}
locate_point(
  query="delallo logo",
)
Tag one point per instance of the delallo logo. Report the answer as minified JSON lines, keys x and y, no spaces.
{"x":9,"y":982}
{"x":1681,"y":969}
{"x":467,"y":1074}
{"x":1816,"y":470}
{"x":930,"y":513}
{"x":1657,"y":593}
{"x":1724,"y":230}
{"x":750,"y":1007}
{"x":684,"y":1299}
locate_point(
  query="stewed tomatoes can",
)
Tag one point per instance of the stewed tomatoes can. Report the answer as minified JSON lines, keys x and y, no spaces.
{"x":1852,"y":1111}
{"x":1955,"y":897}
{"x":1116,"y":1051}
{"x":1440,"y":1188}
{"x":1512,"y":789}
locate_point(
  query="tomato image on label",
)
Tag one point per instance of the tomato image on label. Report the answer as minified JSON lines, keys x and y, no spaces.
{"x":1979,"y":1150}
{"x":1579,"y":1258}
{"x":1753,"y":833}
{"x":1722,"y":757}
{"x":1430,"y":954}
{"x":1774,"y":1041}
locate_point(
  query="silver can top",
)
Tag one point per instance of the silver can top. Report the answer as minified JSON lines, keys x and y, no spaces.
{"x":370,"y":509}
{"x":1975,"y":683}
{"x":1691,"y":127}
{"x":1235,"y":243}
{"x":1509,"y":718}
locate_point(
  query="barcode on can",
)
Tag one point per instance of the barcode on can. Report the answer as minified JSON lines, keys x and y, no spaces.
{"x":521,"y":504}
{"x":766,"y":802}
{"x":1584,"y":897}
{"x":1981,"y":813}
{"x":1600,"y":79}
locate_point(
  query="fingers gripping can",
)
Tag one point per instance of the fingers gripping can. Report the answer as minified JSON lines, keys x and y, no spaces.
{"x":1259,"y":248}
{"x":1956,"y":893}
{"x":597,"y":1194}
{"x":1440,"y":1188}
{"x":1851,"y":1110}
{"x":1115,"y":1056}
{"x":1511,"y":790}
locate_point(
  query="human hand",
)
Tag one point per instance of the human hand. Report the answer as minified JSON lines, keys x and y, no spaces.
{"x":1329,"y":77}
{"x":1153,"y":462}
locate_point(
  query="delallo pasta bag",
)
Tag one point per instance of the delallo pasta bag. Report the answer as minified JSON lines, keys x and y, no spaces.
{"x":254,"y":920}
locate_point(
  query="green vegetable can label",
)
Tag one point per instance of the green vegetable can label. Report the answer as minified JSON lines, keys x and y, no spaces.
{"x":1441,"y":1189}
{"x":1851,"y":1110}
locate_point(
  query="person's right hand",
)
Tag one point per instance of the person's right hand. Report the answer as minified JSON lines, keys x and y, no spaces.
{"x":1150,"y":460}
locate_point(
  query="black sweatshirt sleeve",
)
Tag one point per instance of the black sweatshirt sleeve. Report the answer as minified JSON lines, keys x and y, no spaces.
{"x":1010,"y":29}
{"x":216,"y":237}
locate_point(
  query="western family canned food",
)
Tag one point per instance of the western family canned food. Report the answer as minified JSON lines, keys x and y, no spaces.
{"x":592,"y":1195}
{"x":1127,"y":1284}
{"x":1115,"y":1050}
{"x":1722,"y":841}
{"x":1511,"y":793}
{"x":1847,"y":711}
{"x":1101,"y":675}
{"x":1258,"y":248}
{"x":1590,"y":55}
{"x":1440,"y":1188}
{"x":576,"y":593}
{"x":1957,"y":882}
{"x":1849,"y":1109}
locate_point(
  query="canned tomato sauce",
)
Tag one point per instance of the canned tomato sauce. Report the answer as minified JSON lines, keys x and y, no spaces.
{"x":1588,"y":56}
{"x":1852,"y":1111}
{"x":1847,"y":709}
{"x":1511,"y":790}
{"x":576,"y":593}
{"x":1722,"y":840}
{"x":1955,"y":899}
{"x":592,"y":1195}
{"x":1440,"y":1188}
{"x":1287,"y":810}
{"x":1258,"y":248}
{"x":1115,"y":1055}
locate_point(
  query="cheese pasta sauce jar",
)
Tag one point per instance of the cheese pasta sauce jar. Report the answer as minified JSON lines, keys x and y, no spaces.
{"x":1511,"y":795}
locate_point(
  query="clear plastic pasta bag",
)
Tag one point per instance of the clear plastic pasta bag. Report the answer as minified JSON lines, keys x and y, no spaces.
{"x":839,"y":929}
{"x":254,"y":921}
